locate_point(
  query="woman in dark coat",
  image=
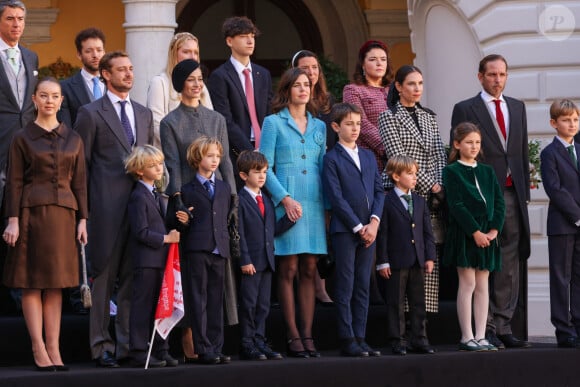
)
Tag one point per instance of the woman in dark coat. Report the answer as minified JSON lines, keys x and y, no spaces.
{"x":46,"y":207}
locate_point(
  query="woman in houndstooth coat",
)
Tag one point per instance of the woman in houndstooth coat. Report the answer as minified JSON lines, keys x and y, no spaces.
{"x":407,"y":128}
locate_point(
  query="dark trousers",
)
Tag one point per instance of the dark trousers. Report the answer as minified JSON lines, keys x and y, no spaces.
{"x":206,"y":287}
{"x":411,"y":283}
{"x":564,"y":252}
{"x":352,"y":278}
{"x":254,"y":306}
{"x":504,"y":285}
{"x":146,"y":287}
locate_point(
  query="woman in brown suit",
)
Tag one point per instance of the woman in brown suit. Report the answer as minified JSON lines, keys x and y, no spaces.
{"x":45,"y":196}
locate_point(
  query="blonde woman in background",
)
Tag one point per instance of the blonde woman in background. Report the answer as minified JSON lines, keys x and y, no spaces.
{"x":161,"y":97}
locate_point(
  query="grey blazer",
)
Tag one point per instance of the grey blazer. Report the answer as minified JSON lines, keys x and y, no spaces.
{"x":109,"y":187}
{"x":12,"y":117}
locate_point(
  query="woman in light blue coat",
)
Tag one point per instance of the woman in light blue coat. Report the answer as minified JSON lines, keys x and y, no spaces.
{"x":294,"y":143}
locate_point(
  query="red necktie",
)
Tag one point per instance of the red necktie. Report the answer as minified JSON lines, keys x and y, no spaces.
{"x":501,"y":124}
{"x":261,"y":204}
{"x":499,"y":117}
{"x":252,"y":107}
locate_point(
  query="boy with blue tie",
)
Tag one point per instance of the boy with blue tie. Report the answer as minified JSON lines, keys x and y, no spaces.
{"x":353,"y":187}
{"x":561,"y":179}
{"x":257,"y":222}
{"x":206,"y":246}
{"x":405,"y":252}
{"x":148,"y":241}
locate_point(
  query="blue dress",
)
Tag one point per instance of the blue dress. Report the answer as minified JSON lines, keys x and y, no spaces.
{"x":295,"y":169}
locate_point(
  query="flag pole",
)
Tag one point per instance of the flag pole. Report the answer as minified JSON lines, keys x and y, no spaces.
{"x":151,"y":344}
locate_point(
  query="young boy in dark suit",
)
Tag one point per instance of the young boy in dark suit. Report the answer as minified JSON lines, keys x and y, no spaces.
{"x":561,"y":178}
{"x":405,"y":252}
{"x":206,"y":246}
{"x":148,"y":241}
{"x":353,"y":186}
{"x":257,"y":229}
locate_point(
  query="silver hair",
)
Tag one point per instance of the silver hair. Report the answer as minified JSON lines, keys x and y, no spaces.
{"x":11,"y":4}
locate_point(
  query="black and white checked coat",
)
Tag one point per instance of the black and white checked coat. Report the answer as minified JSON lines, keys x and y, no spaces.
{"x":400,"y":136}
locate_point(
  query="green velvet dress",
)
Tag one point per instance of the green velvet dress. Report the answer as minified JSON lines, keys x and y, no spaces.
{"x":475,"y":202}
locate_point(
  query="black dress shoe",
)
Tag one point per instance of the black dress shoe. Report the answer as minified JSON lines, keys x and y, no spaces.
{"x":352,"y":349}
{"x":224,"y":359}
{"x":422,"y":349}
{"x":568,"y":342}
{"x":269,"y":352}
{"x":208,"y":358}
{"x":153,"y":363}
{"x":510,"y":341}
{"x":252,"y":353}
{"x":170,"y":361}
{"x":367,"y":348}
{"x":107,"y":360}
{"x":493,"y":340}
{"x":399,"y":349}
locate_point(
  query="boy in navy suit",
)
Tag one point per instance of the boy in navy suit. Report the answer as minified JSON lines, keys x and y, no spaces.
{"x":405,"y":252}
{"x":148,"y":241}
{"x":257,"y":229}
{"x":206,"y":246}
{"x":353,"y":186}
{"x":561,"y":180}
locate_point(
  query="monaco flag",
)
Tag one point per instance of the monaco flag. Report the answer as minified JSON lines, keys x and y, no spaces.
{"x":170,"y":305}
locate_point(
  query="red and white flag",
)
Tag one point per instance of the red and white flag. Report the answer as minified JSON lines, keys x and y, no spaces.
{"x":170,"y":305}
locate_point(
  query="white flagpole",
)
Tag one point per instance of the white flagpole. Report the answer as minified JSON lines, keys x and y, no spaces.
{"x":151,"y":344}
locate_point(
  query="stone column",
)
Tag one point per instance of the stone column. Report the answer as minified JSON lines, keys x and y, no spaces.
{"x":149,"y":25}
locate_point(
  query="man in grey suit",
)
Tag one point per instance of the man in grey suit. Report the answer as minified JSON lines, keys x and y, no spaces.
{"x":110,"y":127}
{"x":504,"y":145}
{"x":85,"y":86}
{"x":18,"y":73}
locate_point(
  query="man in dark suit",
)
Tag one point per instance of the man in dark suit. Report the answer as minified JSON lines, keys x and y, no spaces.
{"x":504,"y":145}
{"x":352,"y":184}
{"x":18,"y":76}
{"x":110,"y":126}
{"x":257,"y":221}
{"x":85,"y":86}
{"x":238,"y":81}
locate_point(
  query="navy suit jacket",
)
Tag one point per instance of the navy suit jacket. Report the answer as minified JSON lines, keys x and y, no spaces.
{"x":12,"y":117}
{"x":493,"y":152}
{"x":148,"y":230}
{"x":402,"y":241}
{"x":76,"y":94}
{"x":256,"y":232}
{"x":354,"y":194}
{"x":561,"y":181}
{"x":228,"y":99}
{"x":209,"y":226}
{"x":106,"y":148}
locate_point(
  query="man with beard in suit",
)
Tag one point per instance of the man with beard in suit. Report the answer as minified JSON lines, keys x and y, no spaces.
{"x":110,"y":127}
{"x":504,"y":145}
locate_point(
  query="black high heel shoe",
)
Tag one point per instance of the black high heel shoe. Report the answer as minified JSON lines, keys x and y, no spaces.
{"x":292,"y":353}
{"x":49,"y":368}
{"x":311,"y":352}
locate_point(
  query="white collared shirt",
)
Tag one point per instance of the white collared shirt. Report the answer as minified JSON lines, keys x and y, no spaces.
{"x":240,"y":70}
{"x":88,"y":77}
{"x":353,"y":153}
{"x":128,"y":109}
{"x":253,"y":194}
{"x":488,"y":100}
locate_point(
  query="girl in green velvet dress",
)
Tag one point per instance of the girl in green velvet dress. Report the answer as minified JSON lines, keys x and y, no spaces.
{"x":476,"y":216}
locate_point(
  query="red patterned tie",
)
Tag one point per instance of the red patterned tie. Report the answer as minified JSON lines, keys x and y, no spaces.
{"x":252,"y":107}
{"x":261,"y":204}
